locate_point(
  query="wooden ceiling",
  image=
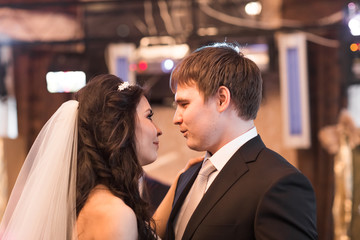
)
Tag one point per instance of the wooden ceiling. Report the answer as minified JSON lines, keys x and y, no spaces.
{"x":186,"y":21}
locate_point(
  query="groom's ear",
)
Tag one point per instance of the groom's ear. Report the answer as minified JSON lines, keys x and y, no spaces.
{"x":223,"y":98}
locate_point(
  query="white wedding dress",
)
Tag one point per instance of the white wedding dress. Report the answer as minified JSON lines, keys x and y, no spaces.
{"x":42,"y":204}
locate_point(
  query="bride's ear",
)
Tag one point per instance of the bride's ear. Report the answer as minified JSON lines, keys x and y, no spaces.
{"x":223,"y":98}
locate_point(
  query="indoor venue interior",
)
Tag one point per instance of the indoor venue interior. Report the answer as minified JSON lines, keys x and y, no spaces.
{"x":308,"y":52}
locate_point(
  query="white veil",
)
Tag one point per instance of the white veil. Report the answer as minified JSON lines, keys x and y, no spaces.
{"x":42,"y":204}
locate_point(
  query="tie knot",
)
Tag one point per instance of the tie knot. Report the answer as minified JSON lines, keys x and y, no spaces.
{"x":207,"y":168}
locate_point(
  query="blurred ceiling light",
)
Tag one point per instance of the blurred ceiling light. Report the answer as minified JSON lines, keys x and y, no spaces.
{"x":253,"y":8}
{"x":354,"y":25}
{"x":65,"y":81}
{"x":210,"y":31}
{"x":353,"y":17}
{"x":160,"y":54}
{"x":167,"y":65}
{"x":161,"y":48}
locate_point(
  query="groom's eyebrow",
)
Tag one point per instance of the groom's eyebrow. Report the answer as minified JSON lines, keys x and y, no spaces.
{"x":181,"y":100}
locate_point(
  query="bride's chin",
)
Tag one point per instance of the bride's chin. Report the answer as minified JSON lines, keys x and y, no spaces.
{"x":144,"y":162}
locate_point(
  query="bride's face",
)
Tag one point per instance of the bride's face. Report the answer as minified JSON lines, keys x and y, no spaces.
{"x":146,"y":133}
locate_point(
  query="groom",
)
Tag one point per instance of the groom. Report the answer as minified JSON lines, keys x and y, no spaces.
{"x":252,"y":192}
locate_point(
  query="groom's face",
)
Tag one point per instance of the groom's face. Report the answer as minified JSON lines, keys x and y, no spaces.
{"x":196,"y":118}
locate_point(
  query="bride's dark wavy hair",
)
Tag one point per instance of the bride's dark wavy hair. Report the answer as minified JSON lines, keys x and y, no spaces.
{"x":106,"y":145}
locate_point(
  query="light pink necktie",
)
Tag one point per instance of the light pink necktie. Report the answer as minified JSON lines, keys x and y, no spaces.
{"x":196,"y":193}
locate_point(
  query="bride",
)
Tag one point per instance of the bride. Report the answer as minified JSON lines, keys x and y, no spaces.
{"x":80,"y":178}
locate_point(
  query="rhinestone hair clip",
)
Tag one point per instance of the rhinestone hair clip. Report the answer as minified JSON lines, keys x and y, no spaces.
{"x":123,"y":86}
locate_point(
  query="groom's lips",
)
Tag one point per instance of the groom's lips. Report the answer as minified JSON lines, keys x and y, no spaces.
{"x":184,"y":132}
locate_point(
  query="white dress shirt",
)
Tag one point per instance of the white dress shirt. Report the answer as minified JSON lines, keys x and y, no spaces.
{"x":219,"y":159}
{"x":223,"y":155}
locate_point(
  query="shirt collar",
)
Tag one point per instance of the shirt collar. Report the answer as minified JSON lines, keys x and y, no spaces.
{"x":222,"y":156}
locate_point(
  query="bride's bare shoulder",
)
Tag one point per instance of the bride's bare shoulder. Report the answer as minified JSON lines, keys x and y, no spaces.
{"x":105,"y":216}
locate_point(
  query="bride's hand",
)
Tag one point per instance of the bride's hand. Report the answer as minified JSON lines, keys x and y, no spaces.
{"x":191,"y":162}
{"x":162,"y":213}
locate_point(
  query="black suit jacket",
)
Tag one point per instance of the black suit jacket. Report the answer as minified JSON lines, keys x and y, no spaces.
{"x":257,"y":195}
{"x":154,"y":192}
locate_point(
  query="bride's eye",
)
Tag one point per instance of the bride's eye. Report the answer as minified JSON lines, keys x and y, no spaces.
{"x":150,"y":115}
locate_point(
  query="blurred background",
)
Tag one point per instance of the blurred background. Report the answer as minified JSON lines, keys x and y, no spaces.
{"x":308,"y":52}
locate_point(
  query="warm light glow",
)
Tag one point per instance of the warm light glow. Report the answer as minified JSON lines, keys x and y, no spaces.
{"x":210,"y":31}
{"x":354,"y":47}
{"x":253,"y":8}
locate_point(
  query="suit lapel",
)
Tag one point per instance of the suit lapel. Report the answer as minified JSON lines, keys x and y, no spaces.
{"x":232,"y":171}
{"x":185,"y":182}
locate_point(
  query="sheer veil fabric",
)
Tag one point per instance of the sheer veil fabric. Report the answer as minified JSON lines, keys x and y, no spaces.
{"x":42,"y":203}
